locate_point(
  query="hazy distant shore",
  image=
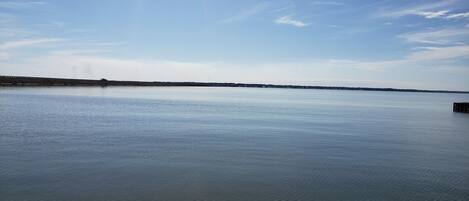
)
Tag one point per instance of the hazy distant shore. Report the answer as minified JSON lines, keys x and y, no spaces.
{"x":21,"y":81}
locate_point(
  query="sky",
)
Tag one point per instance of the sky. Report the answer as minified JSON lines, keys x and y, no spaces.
{"x":419,"y":44}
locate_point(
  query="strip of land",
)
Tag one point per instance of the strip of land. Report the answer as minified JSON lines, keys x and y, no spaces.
{"x":19,"y":81}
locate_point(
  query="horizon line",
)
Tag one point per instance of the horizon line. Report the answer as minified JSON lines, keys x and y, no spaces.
{"x":23,"y":81}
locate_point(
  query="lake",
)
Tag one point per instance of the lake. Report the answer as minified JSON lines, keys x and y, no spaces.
{"x":202,"y":144}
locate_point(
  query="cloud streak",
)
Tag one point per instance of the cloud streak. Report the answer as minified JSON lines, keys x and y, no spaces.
{"x":288,"y":20}
{"x":247,"y":13}
{"x":4,"y":56}
{"x":28,"y":43}
{"x":435,"y":10}
{"x":443,"y":14}
{"x":430,"y":14}
{"x":440,"y":53}
{"x":425,"y":10}
{"x":328,"y":3}
{"x":446,"y":36}
{"x":458,"y":15}
{"x":20,"y":4}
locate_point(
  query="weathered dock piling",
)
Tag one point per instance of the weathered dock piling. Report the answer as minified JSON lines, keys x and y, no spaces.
{"x":461,"y":107}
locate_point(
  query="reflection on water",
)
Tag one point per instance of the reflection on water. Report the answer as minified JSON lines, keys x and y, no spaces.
{"x":176,"y":143}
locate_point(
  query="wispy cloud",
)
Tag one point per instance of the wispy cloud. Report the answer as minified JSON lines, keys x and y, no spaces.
{"x":6,"y":18}
{"x":458,"y":15}
{"x":430,"y":14}
{"x":14,"y":32}
{"x":288,"y":20}
{"x":28,"y":42}
{"x":4,"y":56}
{"x":428,"y":57}
{"x":247,"y":13}
{"x":20,"y":4}
{"x":328,"y":3}
{"x":286,"y":8}
{"x":441,"y":53}
{"x":434,"y":10}
{"x":443,"y":14}
{"x":446,"y":36}
{"x":425,"y":10}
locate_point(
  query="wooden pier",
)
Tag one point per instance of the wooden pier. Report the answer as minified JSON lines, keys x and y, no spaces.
{"x":461,"y":107}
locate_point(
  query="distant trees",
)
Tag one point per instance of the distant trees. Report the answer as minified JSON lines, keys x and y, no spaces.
{"x":103,"y":82}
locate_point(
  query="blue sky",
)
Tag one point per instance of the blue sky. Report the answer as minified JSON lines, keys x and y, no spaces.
{"x":389,"y":43}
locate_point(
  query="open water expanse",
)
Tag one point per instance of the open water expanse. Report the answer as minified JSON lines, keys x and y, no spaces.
{"x":227,"y":144}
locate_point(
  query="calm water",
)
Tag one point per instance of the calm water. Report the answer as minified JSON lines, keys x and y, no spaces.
{"x":207,"y":144}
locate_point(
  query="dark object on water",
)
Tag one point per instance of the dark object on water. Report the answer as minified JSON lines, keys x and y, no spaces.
{"x":461,"y":107}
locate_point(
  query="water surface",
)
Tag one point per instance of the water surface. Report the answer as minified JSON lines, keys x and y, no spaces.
{"x":182,"y":143}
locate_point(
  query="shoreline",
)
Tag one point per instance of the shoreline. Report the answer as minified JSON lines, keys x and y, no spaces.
{"x":23,"y":81}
